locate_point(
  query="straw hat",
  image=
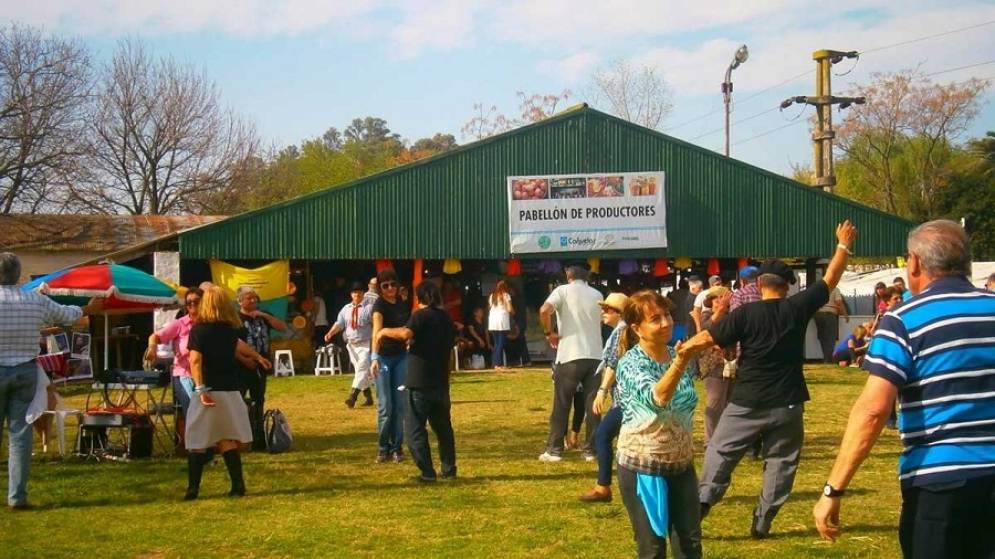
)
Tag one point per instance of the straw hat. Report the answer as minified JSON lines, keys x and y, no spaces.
{"x":615,"y":301}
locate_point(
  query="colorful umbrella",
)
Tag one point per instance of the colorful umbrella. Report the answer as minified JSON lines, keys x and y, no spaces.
{"x":125,"y":289}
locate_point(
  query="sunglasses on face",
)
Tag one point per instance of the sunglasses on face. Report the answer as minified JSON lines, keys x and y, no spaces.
{"x":193,"y":302}
{"x":387,"y":285}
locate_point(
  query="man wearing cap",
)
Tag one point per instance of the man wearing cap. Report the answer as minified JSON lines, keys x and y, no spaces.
{"x":356,"y":321}
{"x":767,"y":401}
{"x":699,"y":302}
{"x":578,"y":353}
{"x":611,"y":419}
{"x":749,"y":292}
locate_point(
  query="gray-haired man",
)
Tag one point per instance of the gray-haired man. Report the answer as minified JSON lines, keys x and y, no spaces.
{"x":22,"y":315}
{"x":935,"y":354}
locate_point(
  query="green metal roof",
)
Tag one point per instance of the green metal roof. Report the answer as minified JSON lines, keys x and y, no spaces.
{"x":454,"y":205}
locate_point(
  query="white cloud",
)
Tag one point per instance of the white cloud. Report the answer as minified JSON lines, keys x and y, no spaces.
{"x":690,"y":41}
{"x":780,"y":52}
{"x":591,"y":23}
{"x":235,"y":17}
{"x":432,"y":24}
{"x":572,"y":68}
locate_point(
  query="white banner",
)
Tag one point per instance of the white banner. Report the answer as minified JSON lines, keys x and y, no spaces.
{"x":595,"y":211}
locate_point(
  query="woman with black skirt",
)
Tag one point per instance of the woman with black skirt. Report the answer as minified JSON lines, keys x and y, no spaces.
{"x":217,"y":415}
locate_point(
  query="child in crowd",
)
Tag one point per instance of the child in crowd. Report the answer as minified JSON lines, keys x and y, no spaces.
{"x":852,"y":348}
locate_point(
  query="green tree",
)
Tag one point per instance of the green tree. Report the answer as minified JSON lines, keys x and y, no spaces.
{"x":970,"y":195}
{"x":898,"y":148}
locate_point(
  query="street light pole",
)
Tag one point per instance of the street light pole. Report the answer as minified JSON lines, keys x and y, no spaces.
{"x":742,"y":54}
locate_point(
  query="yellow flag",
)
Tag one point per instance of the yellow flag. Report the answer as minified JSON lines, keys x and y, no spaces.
{"x":269,"y":281}
{"x":594,"y":263}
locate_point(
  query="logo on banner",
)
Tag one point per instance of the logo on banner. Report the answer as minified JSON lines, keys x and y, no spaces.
{"x":544,"y":242}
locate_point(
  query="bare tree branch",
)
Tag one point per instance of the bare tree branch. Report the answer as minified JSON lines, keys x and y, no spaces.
{"x":638,"y":95}
{"x":44,"y":89}
{"x":159,"y":137}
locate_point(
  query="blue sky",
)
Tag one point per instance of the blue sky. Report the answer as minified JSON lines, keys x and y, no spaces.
{"x":294,"y":68}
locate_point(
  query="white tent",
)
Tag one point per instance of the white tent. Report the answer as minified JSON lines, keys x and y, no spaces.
{"x":863,"y":283}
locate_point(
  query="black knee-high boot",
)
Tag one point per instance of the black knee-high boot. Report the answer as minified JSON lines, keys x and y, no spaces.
{"x":195,"y":471}
{"x":368,"y":395}
{"x":233,"y":461}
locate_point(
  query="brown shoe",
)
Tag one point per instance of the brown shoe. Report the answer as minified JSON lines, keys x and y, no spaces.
{"x":597,"y":495}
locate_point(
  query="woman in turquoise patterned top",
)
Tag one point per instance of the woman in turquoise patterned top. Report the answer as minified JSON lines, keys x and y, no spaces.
{"x":656,"y":474}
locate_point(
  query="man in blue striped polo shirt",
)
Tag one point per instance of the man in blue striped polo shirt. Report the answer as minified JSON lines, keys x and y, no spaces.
{"x":936,"y":354}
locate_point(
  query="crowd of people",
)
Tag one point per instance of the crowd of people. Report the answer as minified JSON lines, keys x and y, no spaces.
{"x":930,"y":350}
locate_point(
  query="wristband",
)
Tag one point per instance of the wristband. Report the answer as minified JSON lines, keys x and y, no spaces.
{"x":201,"y":389}
{"x":845,"y":248}
{"x":374,"y":356}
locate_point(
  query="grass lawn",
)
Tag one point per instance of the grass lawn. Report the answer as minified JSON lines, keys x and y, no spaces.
{"x":327,"y":498}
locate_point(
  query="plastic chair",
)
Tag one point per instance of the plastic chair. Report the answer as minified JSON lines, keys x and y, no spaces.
{"x":327,"y":360}
{"x":283,"y":363}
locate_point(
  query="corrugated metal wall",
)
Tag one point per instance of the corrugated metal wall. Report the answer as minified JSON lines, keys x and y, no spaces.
{"x":455,"y":205}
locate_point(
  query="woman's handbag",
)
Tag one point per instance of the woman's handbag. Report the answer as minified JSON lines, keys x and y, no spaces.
{"x":277,"y":432}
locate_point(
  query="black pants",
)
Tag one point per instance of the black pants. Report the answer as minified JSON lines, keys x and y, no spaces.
{"x":430,"y":405}
{"x":949,"y":521}
{"x":827,"y":329}
{"x":253,"y":382}
{"x":566,"y":377}
{"x":685,"y":516}
{"x":579,"y":413}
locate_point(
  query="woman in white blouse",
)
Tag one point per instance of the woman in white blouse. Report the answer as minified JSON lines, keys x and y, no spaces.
{"x":499,"y":322}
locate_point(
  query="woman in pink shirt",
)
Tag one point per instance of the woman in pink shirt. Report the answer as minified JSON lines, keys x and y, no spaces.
{"x":177,"y":334}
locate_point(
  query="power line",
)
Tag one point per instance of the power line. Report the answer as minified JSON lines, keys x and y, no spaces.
{"x":948,"y":70}
{"x":743,"y":100}
{"x":807,"y":72}
{"x":928,"y":37}
{"x":771,"y":131}
{"x":710,"y":132}
{"x":794,"y":122}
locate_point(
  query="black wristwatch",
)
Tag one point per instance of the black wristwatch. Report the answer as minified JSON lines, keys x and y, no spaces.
{"x":830,"y":491}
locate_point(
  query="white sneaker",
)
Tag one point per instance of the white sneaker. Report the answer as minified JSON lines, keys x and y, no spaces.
{"x":589,"y":457}
{"x":547,"y":457}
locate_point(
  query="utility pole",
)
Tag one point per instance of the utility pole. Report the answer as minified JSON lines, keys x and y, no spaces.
{"x":823,"y":101}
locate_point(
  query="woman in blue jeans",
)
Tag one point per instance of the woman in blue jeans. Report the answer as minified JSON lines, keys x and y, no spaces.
{"x":611,"y":422}
{"x":499,"y":321}
{"x":388,"y":361}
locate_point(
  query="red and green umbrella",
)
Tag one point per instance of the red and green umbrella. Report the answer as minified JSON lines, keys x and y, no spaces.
{"x":123,"y":288}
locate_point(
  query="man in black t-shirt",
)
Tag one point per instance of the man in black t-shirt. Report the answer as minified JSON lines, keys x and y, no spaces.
{"x":767,"y":400}
{"x":431,"y":334}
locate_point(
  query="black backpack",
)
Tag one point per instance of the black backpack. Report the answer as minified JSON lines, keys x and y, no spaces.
{"x":277,"y":432}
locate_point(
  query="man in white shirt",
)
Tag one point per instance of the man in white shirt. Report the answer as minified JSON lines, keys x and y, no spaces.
{"x":578,"y":352}
{"x":699,"y":300}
